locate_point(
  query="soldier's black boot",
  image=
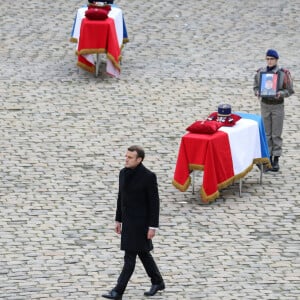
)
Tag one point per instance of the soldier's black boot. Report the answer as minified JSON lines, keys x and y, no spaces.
{"x":275,"y":164}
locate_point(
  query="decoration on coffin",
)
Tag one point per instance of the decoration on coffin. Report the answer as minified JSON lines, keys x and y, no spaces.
{"x":206,"y":126}
{"x":101,"y":1}
{"x":224,"y":116}
{"x":106,"y":7}
{"x":95,"y":12}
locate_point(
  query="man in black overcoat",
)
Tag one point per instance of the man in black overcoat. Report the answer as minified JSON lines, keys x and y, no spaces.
{"x":137,"y":218}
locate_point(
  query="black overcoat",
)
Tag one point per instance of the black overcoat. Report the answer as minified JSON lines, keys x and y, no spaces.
{"x":137,"y":207}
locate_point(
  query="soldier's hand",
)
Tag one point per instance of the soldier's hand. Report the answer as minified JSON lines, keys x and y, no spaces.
{"x":280,"y":94}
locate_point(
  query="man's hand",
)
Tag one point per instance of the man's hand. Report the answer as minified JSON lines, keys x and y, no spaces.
{"x":151,"y":234}
{"x":118,"y":227}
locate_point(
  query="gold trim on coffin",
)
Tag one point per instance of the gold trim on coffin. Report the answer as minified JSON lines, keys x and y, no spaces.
{"x":204,"y":197}
{"x":97,"y":51}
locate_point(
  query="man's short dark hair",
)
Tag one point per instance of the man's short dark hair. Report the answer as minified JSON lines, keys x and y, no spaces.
{"x":139,"y":150}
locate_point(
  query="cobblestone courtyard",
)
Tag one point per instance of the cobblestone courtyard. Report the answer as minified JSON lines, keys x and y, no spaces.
{"x":64,"y":134}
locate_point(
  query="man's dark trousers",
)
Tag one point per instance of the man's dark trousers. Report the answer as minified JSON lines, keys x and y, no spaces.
{"x":129,"y":265}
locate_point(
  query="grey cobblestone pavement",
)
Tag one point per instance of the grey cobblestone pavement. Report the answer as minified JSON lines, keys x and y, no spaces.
{"x":64,"y":134}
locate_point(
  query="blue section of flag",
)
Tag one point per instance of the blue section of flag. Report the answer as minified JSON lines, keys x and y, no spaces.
{"x":262,"y":134}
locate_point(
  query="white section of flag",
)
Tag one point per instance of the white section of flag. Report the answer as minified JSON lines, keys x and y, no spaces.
{"x":244,"y":143}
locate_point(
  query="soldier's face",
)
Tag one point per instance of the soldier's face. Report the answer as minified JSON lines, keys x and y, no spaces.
{"x":131,"y":159}
{"x":271,"y":61}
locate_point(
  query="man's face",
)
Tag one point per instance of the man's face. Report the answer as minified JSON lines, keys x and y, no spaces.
{"x":131,"y":159}
{"x":269,"y":84}
{"x":271,"y":61}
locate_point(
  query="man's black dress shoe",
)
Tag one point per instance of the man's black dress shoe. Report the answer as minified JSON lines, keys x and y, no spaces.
{"x":113,"y":295}
{"x":154,"y":289}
